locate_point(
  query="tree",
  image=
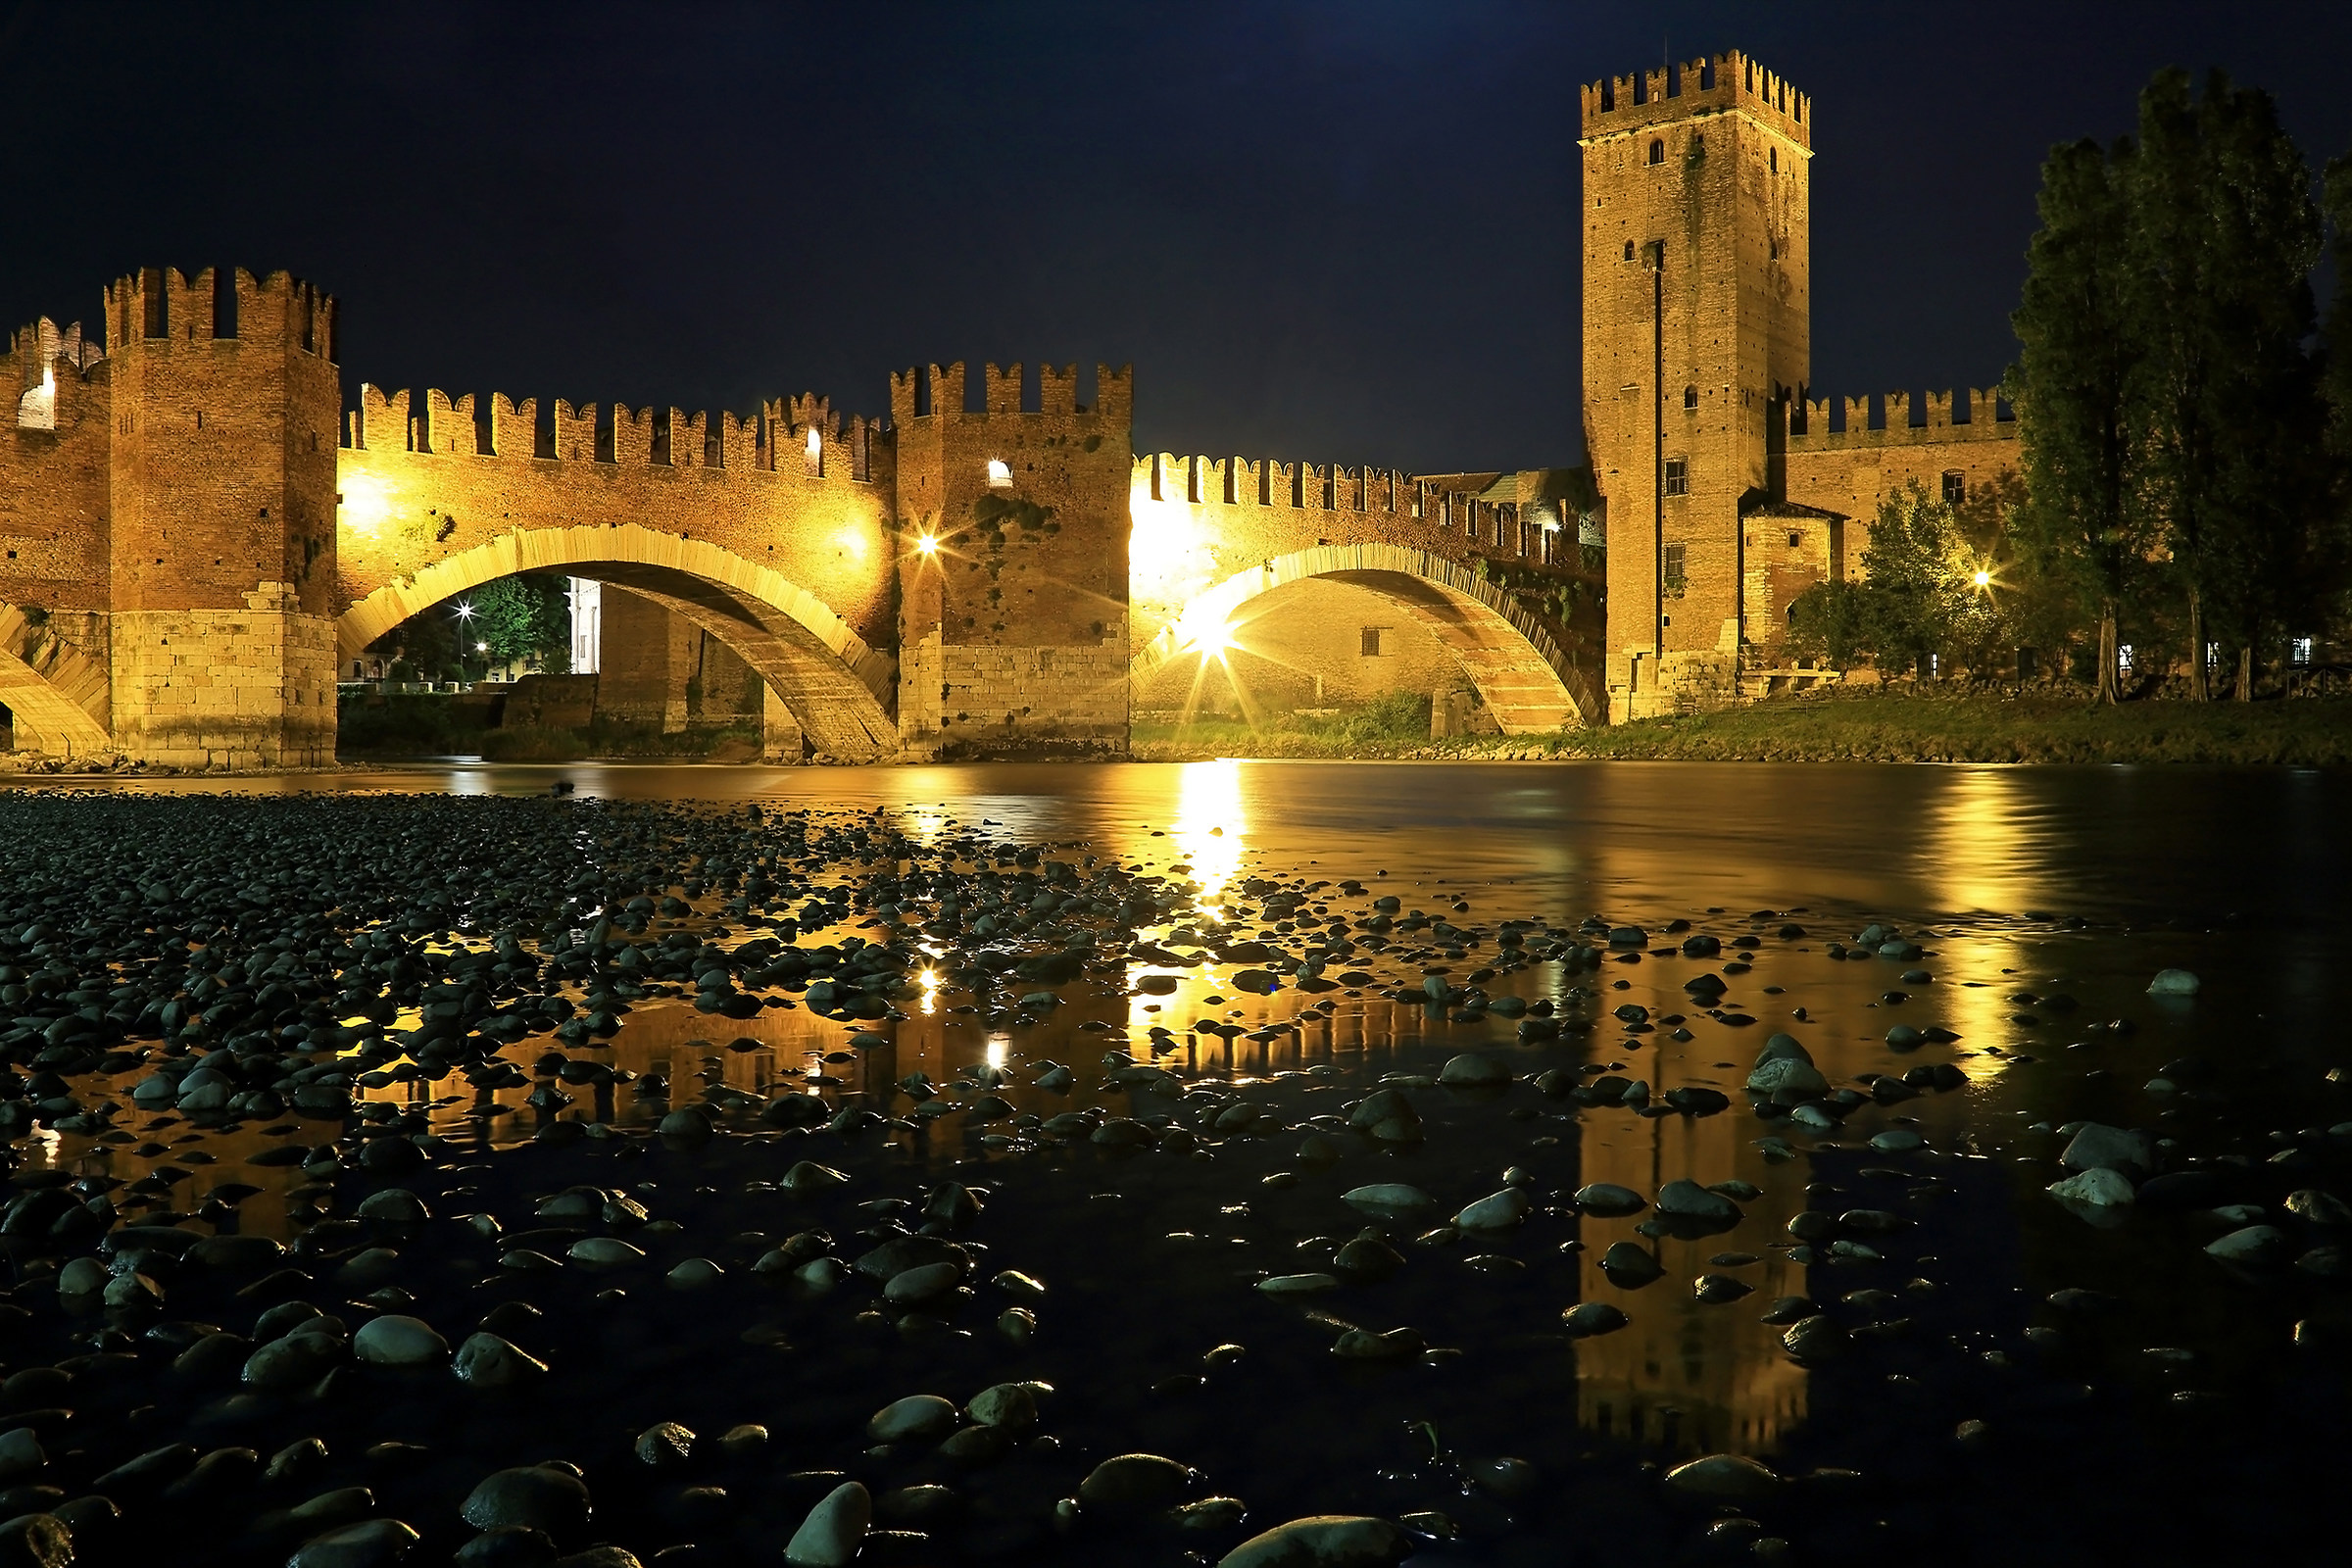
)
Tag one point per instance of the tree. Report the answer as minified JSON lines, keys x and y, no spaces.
{"x":522,"y":618}
{"x":2082,"y":437}
{"x":2223,"y":234}
{"x":1919,"y":593}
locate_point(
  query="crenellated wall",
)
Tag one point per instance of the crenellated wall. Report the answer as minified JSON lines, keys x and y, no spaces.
{"x":1855,"y":467}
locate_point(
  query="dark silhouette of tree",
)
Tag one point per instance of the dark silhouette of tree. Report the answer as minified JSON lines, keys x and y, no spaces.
{"x":2224,"y":233}
{"x":2082,"y":434}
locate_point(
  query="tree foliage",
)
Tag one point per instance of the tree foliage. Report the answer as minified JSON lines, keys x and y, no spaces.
{"x":2169,"y":399}
{"x":1919,"y":593}
{"x":524,"y":617}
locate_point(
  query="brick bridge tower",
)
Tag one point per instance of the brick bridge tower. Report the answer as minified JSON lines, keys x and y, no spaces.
{"x":225,"y":408}
{"x":1013,"y":625}
{"x":1697,"y":330}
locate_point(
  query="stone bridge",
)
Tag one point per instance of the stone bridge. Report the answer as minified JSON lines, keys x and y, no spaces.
{"x":200,"y":543}
{"x":705,"y":521}
{"x":1221,"y":548}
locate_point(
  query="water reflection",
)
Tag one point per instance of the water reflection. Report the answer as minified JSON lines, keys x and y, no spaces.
{"x":1210,"y":824}
{"x":1956,"y":856}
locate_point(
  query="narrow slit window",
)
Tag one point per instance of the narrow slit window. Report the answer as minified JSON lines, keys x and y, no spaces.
{"x":1657,"y":150}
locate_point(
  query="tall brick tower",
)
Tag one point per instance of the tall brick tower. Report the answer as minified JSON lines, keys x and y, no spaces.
{"x":222,"y":499}
{"x":1012,"y":578}
{"x":1696,"y":328}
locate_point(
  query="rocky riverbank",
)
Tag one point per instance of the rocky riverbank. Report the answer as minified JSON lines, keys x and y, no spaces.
{"x":524,"y":1180}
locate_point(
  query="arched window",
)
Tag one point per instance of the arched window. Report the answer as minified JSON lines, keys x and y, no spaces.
{"x":1689,"y":397}
{"x":1000,"y":475}
{"x":1657,"y":151}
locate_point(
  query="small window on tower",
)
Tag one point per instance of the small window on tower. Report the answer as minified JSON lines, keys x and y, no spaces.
{"x":1689,"y":397}
{"x":1657,"y":151}
{"x":1672,"y":568}
{"x":1629,"y":249}
{"x":1795,"y":539}
{"x":1371,"y":644}
{"x":1678,"y":476}
{"x":1955,"y":487}
{"x":1773,"y":156}
{"x":1000,"y":475}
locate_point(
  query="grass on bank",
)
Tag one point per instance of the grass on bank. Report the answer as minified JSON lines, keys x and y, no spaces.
{"x":1845,"y":726}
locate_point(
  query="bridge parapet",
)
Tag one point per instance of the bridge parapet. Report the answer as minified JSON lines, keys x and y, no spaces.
{"x":1198,"y":519}
{"x":795,"y":489}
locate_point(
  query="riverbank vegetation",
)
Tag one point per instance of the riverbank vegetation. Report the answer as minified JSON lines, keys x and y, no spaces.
{"x":1890,"y":725}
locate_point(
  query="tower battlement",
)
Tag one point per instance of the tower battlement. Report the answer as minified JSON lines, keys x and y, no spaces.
{"x":923,"y":392}
{"x":1711,"y":84}
{"x":163,"y":304}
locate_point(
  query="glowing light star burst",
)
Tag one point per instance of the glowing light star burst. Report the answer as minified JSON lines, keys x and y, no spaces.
{"x":464,"y":611}
{"x":927,"y":544}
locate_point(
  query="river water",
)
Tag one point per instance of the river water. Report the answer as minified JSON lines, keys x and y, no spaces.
{"x":2040,"y":901}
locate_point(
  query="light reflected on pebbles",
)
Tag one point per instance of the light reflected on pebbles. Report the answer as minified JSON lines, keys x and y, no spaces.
{"x":925,"y":826}
{"x":1210,"y":827}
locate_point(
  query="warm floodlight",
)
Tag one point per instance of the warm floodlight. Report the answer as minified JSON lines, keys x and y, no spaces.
{"x":1211,"y":641}
{"x":1983,"y":579}
{"x":927,"y":544}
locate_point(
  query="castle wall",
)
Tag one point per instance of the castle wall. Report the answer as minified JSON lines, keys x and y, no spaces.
{"x":1014,"y":633}
{"x":1856,"y":469}
{"x":54,"y":502}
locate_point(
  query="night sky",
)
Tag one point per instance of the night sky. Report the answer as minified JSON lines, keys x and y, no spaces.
{"x":1341,"y":232}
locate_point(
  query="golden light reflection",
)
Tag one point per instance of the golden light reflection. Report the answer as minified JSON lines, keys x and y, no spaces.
{"x":1978,"y":830}
{"x":929,"y":980}
{"x":1211,"y":827}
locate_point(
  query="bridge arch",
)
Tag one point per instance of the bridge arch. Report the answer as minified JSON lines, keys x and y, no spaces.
{"x":1521,"y":671}
{"x":59,"y":696}
{"x":838,"y":689}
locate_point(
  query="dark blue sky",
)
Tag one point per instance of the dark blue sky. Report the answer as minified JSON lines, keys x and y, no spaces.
{"x":1332,"y":231}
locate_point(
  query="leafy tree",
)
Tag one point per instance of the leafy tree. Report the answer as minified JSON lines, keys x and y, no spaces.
{"x":1918,"y":593}
{"x":2082,"y":432}
{"x":524,"y":617}
{"x":2225,"y":234}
